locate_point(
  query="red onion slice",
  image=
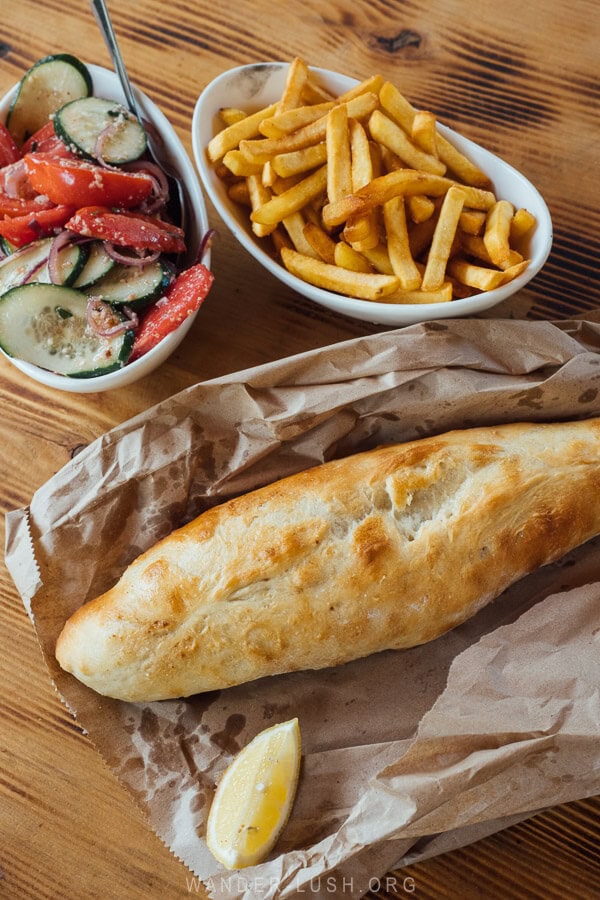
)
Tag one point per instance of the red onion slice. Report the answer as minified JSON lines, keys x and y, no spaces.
{"x":101,"y":140}
{"x":61,"y":240}
{"x":104,"y":136}
{"x":160,"y":193}
{"x":33,"y":270}
{"x":129,"y":260}
{"x":149,"y":168}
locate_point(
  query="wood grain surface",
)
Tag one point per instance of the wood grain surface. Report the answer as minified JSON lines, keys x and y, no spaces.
{"x":520,"y":78}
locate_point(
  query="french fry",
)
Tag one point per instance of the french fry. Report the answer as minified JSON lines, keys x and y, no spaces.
{"x":280,"y":185}
{"x":474,"y":245}
{"x":371,"y":228}
{"x":312,"y":212}
{"x":348,"y":258}
{"x":522,"y":223}
{"x":361,"y":285}
{"x":380,"y":259}
{"x":292,"y":200}
{"x":371,"y":85}
{"x":382,"y":189}
{"x":421,"y":234}
{"x":280,"y":239}
{"x":478,"y":198}
{"x":259,"y":195}
{"x":443,"y":238}
{"x":456,"y":162}
{"x":424,"y":133}
{"x":481,"y":277}
{"x":239,"y":165}
{"x":403,"y":265}
{"x":361,"y":106}
{"x":361,"y":156}
{"x":389,"y":161}
{"x":269,"y":176}
{"x":238,"y":192}
{"x":296,"y":79}
{"x":223,"y":172}
{"x":262,"y":150}
{"x":363,"y":233}
{"x":460,"y":166}
{"x":420,"y":208}
{"x":280,"y":124}
{"x":314,"y":92}
{"x":230,"y":115}
{"x":397,"y":106}
{"x":229,"y":138}
{"x":443,"y":294}
{"x":459,"y":290}
{"x":472,"y":221}
{"x":337,"y":137}
{"x":295,"y":225}
{"x":386,"y":132}
{"x":514,"y":270}
{"x":359,"y":229}
{"x":376,"y":158}
{"x":497,"y":232}
{"x":320,"y":242}
{"x":298,"y":161}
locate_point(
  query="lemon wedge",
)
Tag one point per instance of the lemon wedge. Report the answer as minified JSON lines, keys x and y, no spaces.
{"x":254,"y":797}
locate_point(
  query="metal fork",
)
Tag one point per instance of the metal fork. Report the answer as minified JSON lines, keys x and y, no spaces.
{"x":103,"y":19}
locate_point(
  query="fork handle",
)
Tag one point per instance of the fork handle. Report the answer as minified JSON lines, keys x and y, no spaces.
{"x":101,"y":13}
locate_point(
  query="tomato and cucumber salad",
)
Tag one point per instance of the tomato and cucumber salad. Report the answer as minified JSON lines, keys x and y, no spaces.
{"x":90,"y":258}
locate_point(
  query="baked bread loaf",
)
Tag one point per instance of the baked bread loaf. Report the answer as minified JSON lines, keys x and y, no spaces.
{"x":386,"y":549}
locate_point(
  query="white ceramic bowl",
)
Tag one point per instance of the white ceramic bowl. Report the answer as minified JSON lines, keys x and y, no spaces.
{"x":106,"y":84}
{"x":254,"y":86}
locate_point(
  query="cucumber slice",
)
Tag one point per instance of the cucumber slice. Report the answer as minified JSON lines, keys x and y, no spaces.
{"x":134,"y":286}
{"x":23,"y":263}
{"x":81,"y":122}
{"x":30,"y":263}
{"x":97,"y":265}
{"x":69,"y":263}
{"x":44,"y":88}
{"x":46,"y":324}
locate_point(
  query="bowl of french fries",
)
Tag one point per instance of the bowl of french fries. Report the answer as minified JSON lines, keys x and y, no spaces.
{"x":361,"y":202}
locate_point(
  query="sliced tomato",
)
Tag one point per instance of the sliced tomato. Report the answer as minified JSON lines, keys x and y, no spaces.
{"x":128,"y":229}
{"x":18,"y":206}
{"x":78,"y":183}
{"x":9,"y":152}
{"x":45,"y":140}
{"x":183,"y":298}
{"x":21,"y":230}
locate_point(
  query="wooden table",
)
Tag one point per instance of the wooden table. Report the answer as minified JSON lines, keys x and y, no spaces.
{"x":520,"y":78}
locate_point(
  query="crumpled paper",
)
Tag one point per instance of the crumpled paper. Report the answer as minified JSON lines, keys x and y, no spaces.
{"x":405,"y":754}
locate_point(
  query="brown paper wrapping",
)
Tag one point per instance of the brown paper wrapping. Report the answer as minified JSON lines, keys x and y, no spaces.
{"x":405,"y":754}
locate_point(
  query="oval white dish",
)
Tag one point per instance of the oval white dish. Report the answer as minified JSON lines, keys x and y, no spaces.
{"x":106,"y":84}
{"x":259,"y":84}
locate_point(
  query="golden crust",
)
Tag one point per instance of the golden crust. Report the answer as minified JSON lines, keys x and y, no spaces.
{"x":386,"y":549}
